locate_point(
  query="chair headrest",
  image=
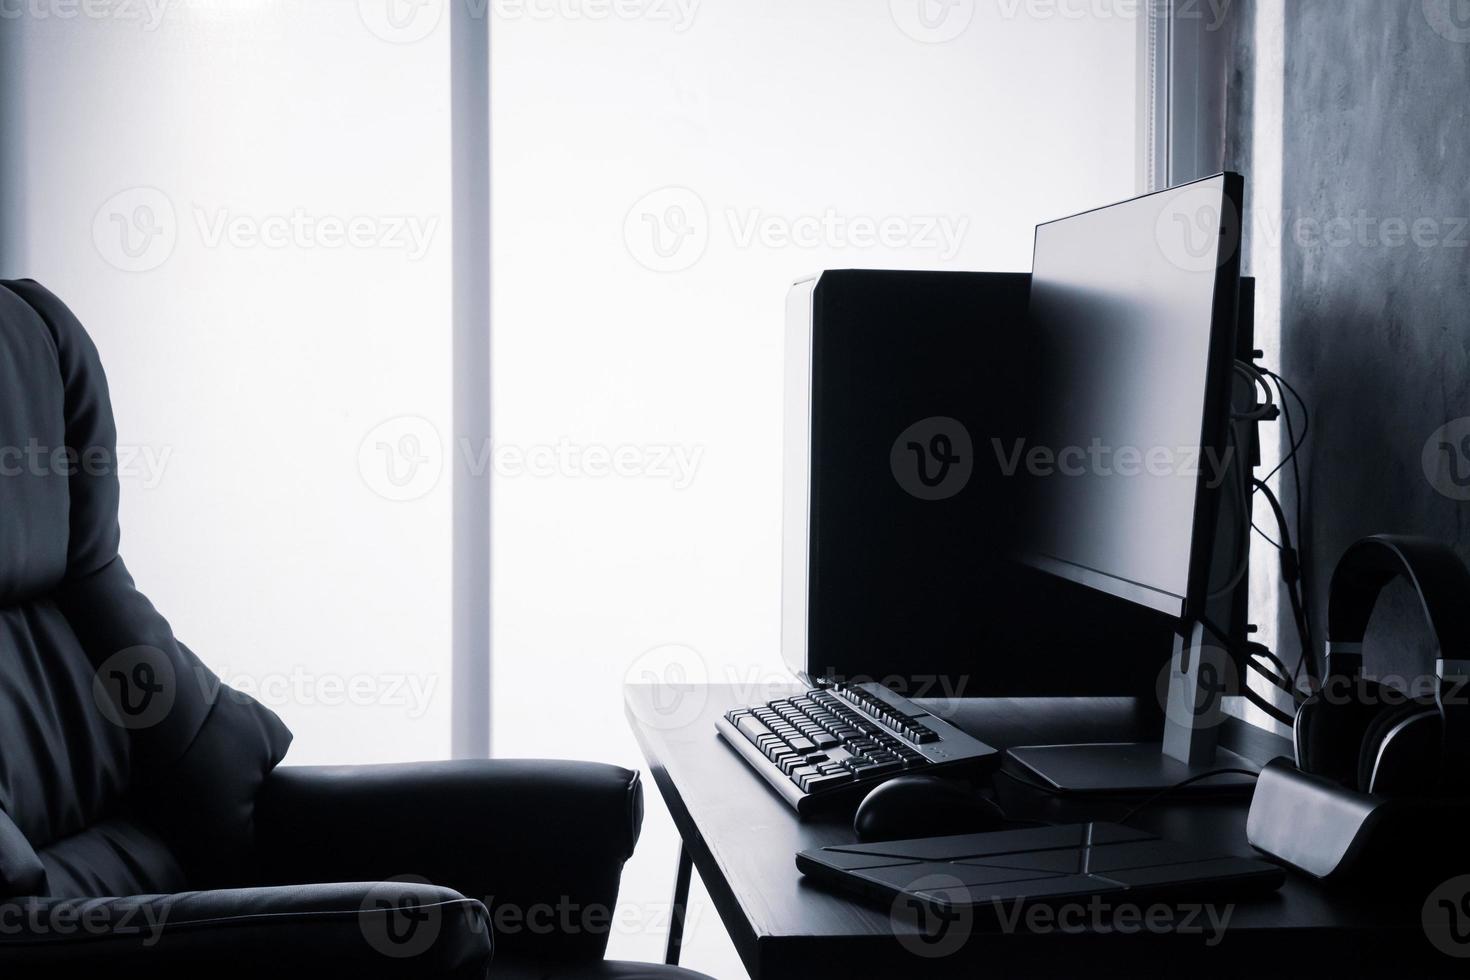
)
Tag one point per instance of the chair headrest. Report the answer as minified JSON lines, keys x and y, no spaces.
{"x":58,"y":447}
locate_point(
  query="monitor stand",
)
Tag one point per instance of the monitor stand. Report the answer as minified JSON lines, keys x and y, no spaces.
{"x":1193,"y":714}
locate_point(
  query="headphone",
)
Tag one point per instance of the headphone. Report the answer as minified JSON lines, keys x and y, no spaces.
{"x":1364,"y":734}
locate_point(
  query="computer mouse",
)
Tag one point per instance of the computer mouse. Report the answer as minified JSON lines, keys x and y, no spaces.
{"x":907,"y":807}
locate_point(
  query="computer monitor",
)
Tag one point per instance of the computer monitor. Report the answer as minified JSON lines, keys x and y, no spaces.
{"x":1131,"y":450}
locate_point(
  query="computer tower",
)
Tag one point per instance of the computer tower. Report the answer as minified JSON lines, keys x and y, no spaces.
{"x":901,"y":443}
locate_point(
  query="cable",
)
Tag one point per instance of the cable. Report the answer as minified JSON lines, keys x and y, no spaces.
{"x":1284,"y":676}
{"x":1261,"y":410}
{"x":1180,"y":785}
{"x":1296,"y":441}
{"x":1301,"y":608}
{"x":1266,"y":537}
{"x":1281,"y":683}
{"x":1291,"y":574}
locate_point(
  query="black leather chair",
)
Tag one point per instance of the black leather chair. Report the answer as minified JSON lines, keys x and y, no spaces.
{"x":144,"y":827}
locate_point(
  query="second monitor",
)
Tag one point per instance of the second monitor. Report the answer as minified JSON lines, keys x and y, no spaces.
{"x":1133,"y":320}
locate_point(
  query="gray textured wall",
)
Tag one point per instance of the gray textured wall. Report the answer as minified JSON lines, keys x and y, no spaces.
{"x":1376,"y":325}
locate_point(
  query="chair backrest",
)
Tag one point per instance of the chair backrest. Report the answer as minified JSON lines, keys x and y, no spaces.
{"x":126,"y":767}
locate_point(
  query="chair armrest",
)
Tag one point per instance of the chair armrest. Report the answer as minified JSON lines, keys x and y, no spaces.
{"x":541,"y":843}
{"x":387,"y":930}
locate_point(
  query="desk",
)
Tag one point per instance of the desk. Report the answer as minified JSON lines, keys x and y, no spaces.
{"x":742,"y":837}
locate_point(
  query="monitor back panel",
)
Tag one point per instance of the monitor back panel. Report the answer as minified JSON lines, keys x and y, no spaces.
{"x":900,"y":453}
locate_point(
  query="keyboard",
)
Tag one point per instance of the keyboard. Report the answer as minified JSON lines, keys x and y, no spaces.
{"x":834,"y":743}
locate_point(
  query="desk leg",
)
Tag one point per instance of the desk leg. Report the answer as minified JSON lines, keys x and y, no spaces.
{"x":679,"y":906}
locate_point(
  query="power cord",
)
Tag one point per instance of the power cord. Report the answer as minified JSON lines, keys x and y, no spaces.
{"x":1301,"y":609}
{"x":1254,"y":650}
{"x":1180,"y":785}
{"x":1291,"y":576}
{"x":1147,"y":802}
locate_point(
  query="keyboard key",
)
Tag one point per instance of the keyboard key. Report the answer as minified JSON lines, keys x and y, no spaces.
{"x":797,"y":775}
{"x":752,"y":728}
{"x":825,"y":741}
{"x":824,"y":781}
{"x":802,"y":745}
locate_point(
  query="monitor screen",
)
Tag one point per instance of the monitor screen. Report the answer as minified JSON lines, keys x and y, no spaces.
{"x":1132,"y":319}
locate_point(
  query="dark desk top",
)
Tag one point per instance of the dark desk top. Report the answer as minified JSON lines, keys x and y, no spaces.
{"x":743,"y":839}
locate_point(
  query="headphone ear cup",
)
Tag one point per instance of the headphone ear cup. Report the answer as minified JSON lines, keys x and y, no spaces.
{"x":1401,"y":750}
{"x":1329,"y":734}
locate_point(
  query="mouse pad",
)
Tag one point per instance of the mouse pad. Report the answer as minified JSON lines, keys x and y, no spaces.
{"x":1041,"y":864}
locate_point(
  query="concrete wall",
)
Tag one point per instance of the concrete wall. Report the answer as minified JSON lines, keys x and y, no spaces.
{"x":1374,"y":245}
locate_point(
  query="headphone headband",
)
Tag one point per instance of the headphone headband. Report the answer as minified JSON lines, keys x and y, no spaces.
{"x":1443,"y":584}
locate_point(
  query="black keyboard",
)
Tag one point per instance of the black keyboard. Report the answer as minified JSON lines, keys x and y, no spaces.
{"x":835,"y":743}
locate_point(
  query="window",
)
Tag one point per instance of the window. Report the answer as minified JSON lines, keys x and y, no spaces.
{"x":661,"y":175}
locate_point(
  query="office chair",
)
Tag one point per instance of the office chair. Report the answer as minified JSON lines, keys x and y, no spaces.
{"x":145,"y":829}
